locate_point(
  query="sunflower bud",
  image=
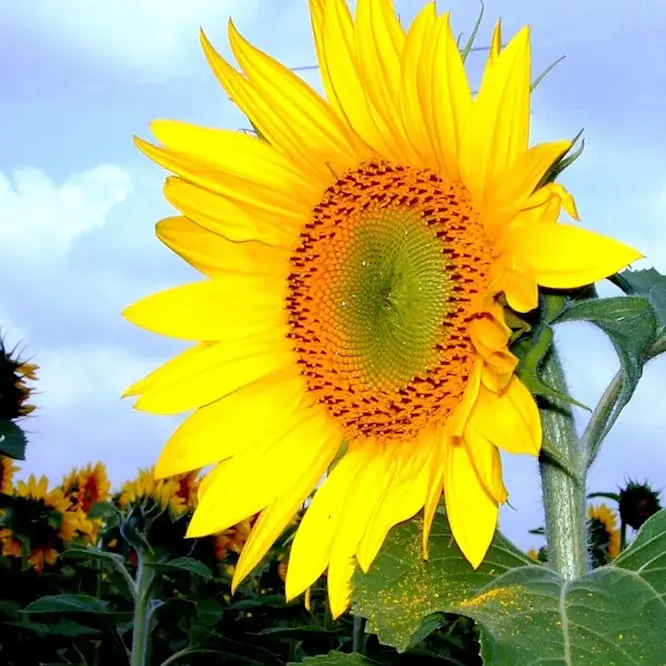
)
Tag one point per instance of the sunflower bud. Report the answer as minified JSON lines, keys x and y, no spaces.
{"x":637,"y":503}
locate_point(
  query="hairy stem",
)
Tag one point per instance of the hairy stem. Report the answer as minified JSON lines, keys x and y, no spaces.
{"x":563,"y":486}
{"x":141,"y":624}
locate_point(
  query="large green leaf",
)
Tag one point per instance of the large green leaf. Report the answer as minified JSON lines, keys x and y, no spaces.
{"x":12,"y":440}
{"x":527,"y":614}
{"x":631,"y":324}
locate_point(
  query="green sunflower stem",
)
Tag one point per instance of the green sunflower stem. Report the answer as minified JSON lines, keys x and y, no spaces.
{"x":563,"y":485}
{"x":142,"y":616}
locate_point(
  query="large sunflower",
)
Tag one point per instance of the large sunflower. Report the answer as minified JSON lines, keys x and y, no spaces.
{"x":353,"y":261}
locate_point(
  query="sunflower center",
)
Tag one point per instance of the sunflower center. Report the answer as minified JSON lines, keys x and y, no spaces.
{"x":382,"y":287}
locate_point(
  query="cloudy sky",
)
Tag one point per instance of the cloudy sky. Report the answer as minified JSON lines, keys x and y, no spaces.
{"x":78,"y":202}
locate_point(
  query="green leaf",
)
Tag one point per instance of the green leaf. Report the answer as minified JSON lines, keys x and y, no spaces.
{"x":103,"y":510}
{"x":465,"y":51}
{"x":81,"y":553}
{"x":531,"y":354}
{"x":12,"y":440}
{"x":401,"y":590}
{"x":526,"y":614}
{"x":334,"y":658}
{"x":67,"y":603}
{"x":631,"y":324}
{"x":611,"y":496}
{"x":186,"y":564}
{"x":209,"y":611}
{"x":648,"y":282}
{"x":63,"y":627}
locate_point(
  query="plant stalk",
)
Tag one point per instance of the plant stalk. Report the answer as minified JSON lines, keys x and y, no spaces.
{"x":141,"y":624}
{"x":563,"y":486}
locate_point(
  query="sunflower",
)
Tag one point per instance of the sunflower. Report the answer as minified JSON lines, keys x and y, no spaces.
{"x":40,"y":518}
{"x":188,"y":487}
{"x":87,"y":486}
{"x":232,"y":539}
{"x":605,"y":538}
{"x":7,"y":470}
{"x":354,"y":255}
{"x":14,"y":391}
{"x":164,"y":492}
{"x":533,"y":554}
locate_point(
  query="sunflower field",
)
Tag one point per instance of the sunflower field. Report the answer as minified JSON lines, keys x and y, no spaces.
{"x":382,"y":271}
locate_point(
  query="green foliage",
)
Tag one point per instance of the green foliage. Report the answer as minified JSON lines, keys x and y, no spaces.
{"x":12,"y":440}
{"x":526,"y":613}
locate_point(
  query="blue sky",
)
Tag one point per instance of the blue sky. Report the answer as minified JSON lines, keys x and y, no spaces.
{"x":78,"y":202}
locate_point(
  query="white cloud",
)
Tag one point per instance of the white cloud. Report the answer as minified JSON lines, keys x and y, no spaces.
{"x":152,"y":35}
{"x":71,"y":377}
{"x":40,"y":218}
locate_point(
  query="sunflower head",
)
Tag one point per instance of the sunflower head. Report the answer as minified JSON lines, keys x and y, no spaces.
{"x":605,"y":537}
{"x":14,"y":389}
{"x":151,"y":493}
{"x":87,"y":486}
{"x":355,"y":260}
{"x":37,"y":523}
{"x":638,"y":501}
{"x":7,"y":470}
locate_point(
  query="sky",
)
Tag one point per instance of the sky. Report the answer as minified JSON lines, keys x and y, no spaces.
{"x":78,"y":202}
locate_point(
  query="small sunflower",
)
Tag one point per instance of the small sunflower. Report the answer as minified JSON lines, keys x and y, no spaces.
{"x":164,"y":492}
{"x":605,"y":538}
{"x":40,"y":518}
{"x":638,"y":501}
{"x":7,"y":470}
{"x":533,"y":553}
{"x":87,"y":486}
{"x":233,"y":539}
{"x":14,"y":390}
{"x":188,"y":488}
{"x":354,"y":258}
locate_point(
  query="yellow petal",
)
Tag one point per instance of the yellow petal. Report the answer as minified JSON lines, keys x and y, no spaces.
{"x":241,"y":420}
{"x":379,"y":41}
{"x":456,"y":423}
{"x":257,"y":476}
{"x":439,"y":438}
{"x":217,"y":256}
{"x":214,"y":371}
{"x":280,"y":120}
{"x":498,"y":127}
{"x":447,"y":103}
{"x":562,"y":256}
{"x":410,"y":103}
{"x":253,"y":192}
{"x":367,"y":492}
{"x":275,"y":518}
{"x":295,"y":101}
{"x":507,"y":193}
{"x":486,"y":460}
{"x":234,"y":219}
{"x":311,"y":549}
{"x":472,"y":513}
{"x":509,"y":420}
{"x":336,"y":51}
{"x":237,"y":154}
{"x":403,"y":498}
{"x":231,"y":308}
